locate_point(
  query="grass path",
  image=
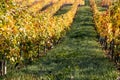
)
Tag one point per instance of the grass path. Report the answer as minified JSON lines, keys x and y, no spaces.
{"x":77,"y":57}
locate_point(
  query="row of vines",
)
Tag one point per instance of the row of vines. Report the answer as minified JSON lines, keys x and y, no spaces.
{"x":25,"y":36}
{"x":108,"y":28}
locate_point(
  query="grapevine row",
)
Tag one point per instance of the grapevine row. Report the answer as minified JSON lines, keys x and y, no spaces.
{"x":108,"y":27}
{"x":25,"y":36}
{"x":24,"y":2}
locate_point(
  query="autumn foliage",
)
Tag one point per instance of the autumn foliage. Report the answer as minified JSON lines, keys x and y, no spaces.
{"x":108,"y":27}
{"x":25,"y":36}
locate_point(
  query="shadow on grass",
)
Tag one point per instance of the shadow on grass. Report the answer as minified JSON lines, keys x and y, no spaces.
{"x":63,"y":10}
{"x":64,"y":66}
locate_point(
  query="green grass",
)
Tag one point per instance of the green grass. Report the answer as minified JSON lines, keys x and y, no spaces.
{"x":77,"y":57}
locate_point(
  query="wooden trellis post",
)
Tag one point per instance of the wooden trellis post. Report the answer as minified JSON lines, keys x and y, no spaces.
{"x":3,"y":67}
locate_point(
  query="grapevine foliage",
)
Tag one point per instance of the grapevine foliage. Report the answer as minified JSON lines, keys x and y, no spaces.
{"x":25,"y":35}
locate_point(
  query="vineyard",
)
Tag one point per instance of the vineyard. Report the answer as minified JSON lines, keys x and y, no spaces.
{"x":59,"y":40}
